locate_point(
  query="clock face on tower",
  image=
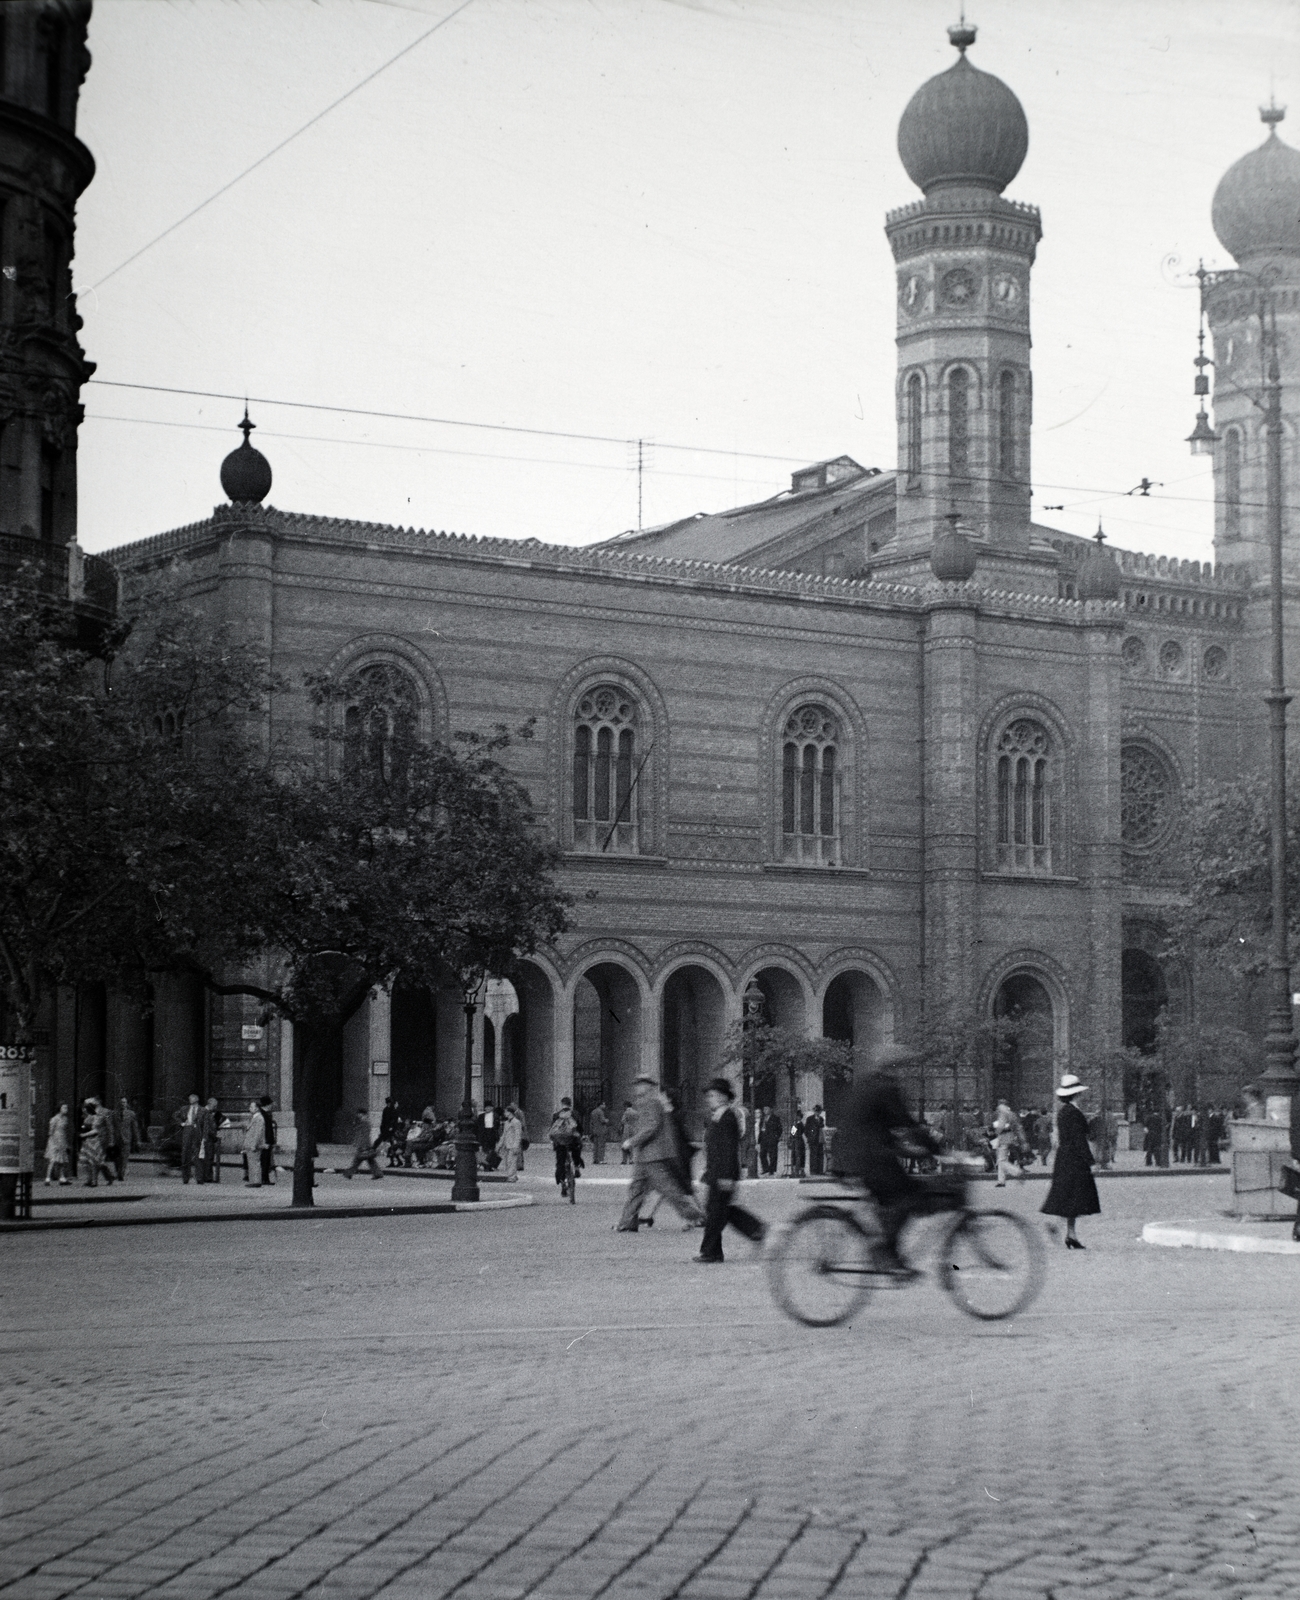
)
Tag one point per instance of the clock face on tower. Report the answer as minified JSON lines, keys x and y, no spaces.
{"x":911,"y":293}
{"x":958,"y":287}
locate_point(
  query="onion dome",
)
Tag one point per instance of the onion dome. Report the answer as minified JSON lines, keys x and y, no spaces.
{"x":1256,"y":208}
{"x":952,"y":555}
{"x":246,"y":473}
{"x":1099,"y":577}
{"x":963,"y":127}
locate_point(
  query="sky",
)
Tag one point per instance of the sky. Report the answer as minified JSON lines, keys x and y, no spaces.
{"x":625,"y":220}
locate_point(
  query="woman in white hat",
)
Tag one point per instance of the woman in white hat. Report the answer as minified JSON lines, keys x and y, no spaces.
{"x":1073,"y":1192}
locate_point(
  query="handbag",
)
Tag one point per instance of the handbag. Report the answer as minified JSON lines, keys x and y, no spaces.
{"x":524,"y":1143}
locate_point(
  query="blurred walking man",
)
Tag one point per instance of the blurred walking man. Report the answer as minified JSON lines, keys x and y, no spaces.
{"x":654,"y":1149}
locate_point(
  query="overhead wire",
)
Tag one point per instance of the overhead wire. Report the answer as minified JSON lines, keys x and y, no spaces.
{"x":421,"y":449}
{"x":1096,"y":492}
{"x":263,"y":159}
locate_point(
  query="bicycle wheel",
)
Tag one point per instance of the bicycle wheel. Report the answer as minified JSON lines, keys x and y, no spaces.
{"x":573,"y":1184}
{"x":991,"y":1263}
{"x":820,"y":1270}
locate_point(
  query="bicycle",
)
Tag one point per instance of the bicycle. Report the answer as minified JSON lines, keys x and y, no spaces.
{"x":569,"y":1183}
{"x":825,"y":1262}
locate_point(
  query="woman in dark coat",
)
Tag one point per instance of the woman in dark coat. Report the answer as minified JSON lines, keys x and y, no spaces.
{"x":1073,"y":1191}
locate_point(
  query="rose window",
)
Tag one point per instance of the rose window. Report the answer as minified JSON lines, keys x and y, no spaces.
{"x":1146,"y":803}
{"x":1134,"y":651}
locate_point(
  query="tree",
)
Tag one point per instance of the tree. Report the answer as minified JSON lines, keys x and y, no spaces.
{"x":778,"y":1054}
{"x":128,"y":800}
{"x":144,"y":828}
{"x":413,"y":858}
{"x":956,"y":1047}
{"x":1226,"y":911}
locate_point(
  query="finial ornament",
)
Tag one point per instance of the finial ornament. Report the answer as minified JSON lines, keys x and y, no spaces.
{"x":962,"y":34}
{"x":1271,"y":114}
{"x":246,"y":473}
{"x":1099,"y":538}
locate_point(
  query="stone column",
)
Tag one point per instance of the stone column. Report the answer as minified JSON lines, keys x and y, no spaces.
{"x":950,"y":776}
{"x":562,"y":1059}
{"x":366,"y":1047}
{"x":652,"y":1046}
{"x":379,"y":1009}
{"x":1100,"y":867}
{"x":283,"y":1089}
{"x":476,"y":1057}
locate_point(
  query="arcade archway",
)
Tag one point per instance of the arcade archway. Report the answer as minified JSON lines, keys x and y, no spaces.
{"x":1145,"y":995}
{"x":606,"y":1038}
{"x":1023,"y":1063}
{"x":694,"y":1025}
{"x":853,"y":1010}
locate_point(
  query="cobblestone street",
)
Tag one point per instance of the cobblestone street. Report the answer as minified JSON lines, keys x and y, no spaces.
{"x":526,"y":1403}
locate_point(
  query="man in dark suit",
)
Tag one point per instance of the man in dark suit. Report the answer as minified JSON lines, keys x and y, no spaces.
{"x":267,"y":1154}
{"x":722,"y":1174}
{"x":769,"y":1141}
{"x":814,"y":1130}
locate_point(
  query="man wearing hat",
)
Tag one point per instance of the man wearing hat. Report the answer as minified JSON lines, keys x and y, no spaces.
{"x":654,"y":1151}
{"x":722,"y":1174}
{"x":1073,"y":1191}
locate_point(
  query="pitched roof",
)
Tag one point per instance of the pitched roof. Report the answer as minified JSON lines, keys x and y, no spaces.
{"x":745,"y":531}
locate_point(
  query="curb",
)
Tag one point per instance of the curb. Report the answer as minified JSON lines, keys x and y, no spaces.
{"x":288,"y":1214}
{"x":1175,"y":1235}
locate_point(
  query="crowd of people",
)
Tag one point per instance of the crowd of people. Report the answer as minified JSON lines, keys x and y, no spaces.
{"x":653,"y":1137}
{"x":1197,"y":1135}
{"x":106,"y":1137}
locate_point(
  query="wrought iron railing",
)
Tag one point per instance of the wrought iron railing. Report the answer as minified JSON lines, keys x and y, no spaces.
{"x":63,"y":572}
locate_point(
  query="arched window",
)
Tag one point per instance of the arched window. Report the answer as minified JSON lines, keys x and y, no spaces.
{"x":605,"y":771}
{"x":810,"y":787}
{"x":959,"y":423}
{"x":1147,"y":797}
{"x":914,"y":404}
{"x":380,"y":722}
{"x":1025,"y":797}
{"x":169,"y":726}
{"x":1232,"y":484}
{"x":1007,"y":424}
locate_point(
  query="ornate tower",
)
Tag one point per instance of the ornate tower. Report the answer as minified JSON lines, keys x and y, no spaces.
{"x":964,"y":256}
{"x":1256,"y":214}
{"x":43,"y":169}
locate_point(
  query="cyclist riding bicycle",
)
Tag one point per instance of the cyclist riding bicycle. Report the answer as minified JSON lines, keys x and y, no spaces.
{"x":566,"y":1140}
{"x":876,"y":1133}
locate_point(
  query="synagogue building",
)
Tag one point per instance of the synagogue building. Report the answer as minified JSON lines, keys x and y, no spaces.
{"x":881,"y":744}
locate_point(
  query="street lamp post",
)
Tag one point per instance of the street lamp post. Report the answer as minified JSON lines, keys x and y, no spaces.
{"x":1278,"y":1081}
{"x":753,"y":1002}
{"x":465,"y":1186}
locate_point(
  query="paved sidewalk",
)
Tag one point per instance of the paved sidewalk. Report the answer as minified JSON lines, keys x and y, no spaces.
{"x":1225,"y":1233}
{"x":153,"y":1194}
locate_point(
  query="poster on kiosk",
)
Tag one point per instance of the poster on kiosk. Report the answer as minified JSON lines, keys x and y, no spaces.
{"x":17,"y":1109}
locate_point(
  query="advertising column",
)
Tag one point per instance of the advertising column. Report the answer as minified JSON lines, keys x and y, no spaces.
{"x":17,"y":1129}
